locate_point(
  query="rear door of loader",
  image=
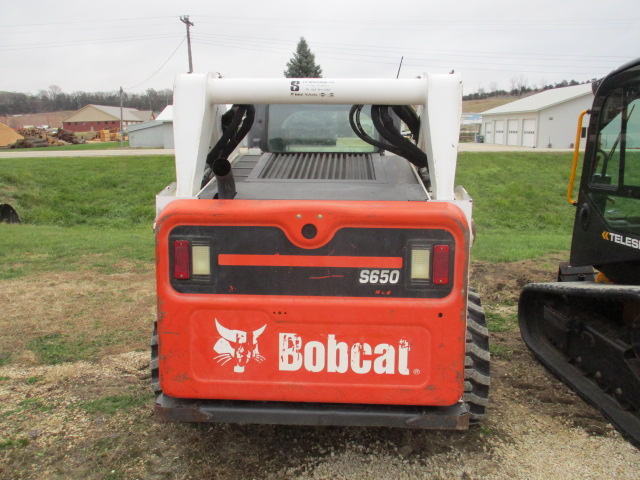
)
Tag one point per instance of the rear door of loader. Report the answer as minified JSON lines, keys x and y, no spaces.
{"x":312,"y":301}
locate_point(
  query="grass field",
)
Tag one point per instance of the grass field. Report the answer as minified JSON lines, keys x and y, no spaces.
{"x":520,"y":206}
{"x":80,"y":212}
{"x":78,"y":303}
{"x":91,"y":212}
{"x":81,"y":146}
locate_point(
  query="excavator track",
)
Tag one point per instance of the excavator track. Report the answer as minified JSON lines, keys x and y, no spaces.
{"x":588,"y":335}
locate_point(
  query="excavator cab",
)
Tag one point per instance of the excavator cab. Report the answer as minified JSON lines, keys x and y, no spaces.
{"x":607,"y":226}
{"x":586,"y":327}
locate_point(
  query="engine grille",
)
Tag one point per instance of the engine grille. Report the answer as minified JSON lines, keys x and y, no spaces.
{"x":319,"y":166}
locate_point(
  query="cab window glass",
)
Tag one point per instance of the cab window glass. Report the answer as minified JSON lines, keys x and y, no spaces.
{"x":316,"y":128}
{"x":619,"y":143}
{"x":606,"y":167}
{"x":632,"y":147}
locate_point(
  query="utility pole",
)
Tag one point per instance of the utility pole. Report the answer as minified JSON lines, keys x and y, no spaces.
{"x":185,"y":19}
{"x":121,"y":120}
{"x":401,"y":58}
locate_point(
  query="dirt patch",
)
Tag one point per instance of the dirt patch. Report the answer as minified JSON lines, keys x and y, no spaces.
{"x":76,"y":315}
{"x":503,"y":282}
{"x":93,"y":419}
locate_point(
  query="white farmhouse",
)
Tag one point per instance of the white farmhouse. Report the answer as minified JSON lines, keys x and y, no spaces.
{"x":544,"y":120}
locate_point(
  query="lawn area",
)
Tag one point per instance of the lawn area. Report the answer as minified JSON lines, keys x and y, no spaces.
{"x":80,"y":146}
{"x":79,"y":212}
{"x":91,"y":212}
{"x":78,"y":304}
{"x":520,"y":206}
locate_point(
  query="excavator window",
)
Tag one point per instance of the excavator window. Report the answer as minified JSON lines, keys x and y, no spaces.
{"x":615,"y":174}
{"x":606,"y":167}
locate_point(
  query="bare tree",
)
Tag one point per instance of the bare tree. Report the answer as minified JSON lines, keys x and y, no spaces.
{"x":54,"y":91}
{"x":518,"y":84}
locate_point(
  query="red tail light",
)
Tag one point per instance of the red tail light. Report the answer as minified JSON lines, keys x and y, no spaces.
{"x":181,"y":260}
{"x":440,"y":264}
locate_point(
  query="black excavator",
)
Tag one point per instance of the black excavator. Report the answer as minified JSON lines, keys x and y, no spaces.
{"x":585,"y":328}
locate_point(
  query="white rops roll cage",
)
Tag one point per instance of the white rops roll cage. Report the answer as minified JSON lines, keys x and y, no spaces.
{"x":201,"y":99}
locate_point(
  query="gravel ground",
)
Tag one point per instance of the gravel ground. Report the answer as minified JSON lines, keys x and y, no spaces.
{"x":94,"y":419}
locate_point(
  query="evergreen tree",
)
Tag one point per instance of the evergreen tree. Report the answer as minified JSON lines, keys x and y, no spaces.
{"x":303,"y":63}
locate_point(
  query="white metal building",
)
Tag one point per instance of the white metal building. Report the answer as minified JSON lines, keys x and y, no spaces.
{"x":155,"y":134}
{"x":544,"y":120}
{"x":145,"y":135}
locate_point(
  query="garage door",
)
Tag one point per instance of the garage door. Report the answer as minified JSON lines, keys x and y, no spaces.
{"x":499,"y":132}
{"x":529,"y":133}
{"x":513,"y":132}
{"x":488,"y":132}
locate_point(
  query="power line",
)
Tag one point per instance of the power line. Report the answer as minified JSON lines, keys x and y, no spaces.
{"x":508,"y":25}
{"x":72,"y":43}
{"x":404,"y":22}
{"x":427,"y":63}
{"x":82,"y":21}
{"x":395,"y":49}
{"x":362,"y":58}
{"x":161,"y":66}
{"x":92,"y":28}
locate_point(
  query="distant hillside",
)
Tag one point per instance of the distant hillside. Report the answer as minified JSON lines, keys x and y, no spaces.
{"x":55,"y":100}
{"x":479,"y":106}
{"x":53,"y":119}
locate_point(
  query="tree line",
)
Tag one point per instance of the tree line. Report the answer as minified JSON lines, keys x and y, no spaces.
{"x":54,"y":99}
{"x":301,"y":65}
{"x":519,"y":87}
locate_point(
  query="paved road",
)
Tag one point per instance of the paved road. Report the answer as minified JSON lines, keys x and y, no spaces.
{"x":127,"y":152}
{"x":486,"y":147}
{"x":463,"y":147}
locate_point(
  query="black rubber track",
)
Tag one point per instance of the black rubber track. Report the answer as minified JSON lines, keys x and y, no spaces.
{"x":153,"y":364}
{"x":477,"y":362}
{"x":532,"y":329}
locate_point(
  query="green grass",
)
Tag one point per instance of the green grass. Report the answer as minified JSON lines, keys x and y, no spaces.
{"x":501,"y":351}
{"x":5,"y":358}
{"x":112,"y":404}
{"x":29,"y":404}
{"x":57,"y":348}
{"x":501,"y":323}
{"x":520,"y":206}
{"x":13,"y":443}
{"x":91,"y":213}
{"x":100,"y":192}
{"x":31,"y":249}
{"x":80,"y":146}
{"x":79,"y":212}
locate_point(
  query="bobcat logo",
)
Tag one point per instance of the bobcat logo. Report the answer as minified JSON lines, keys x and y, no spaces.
{"x":237,"y":345}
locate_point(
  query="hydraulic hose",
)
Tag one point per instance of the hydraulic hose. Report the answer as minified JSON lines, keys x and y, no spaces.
{"x":395,"y":142}
{"x":236,"y":123}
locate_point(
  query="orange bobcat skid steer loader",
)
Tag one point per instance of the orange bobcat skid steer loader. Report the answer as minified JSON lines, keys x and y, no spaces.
{"x":318,"y":275}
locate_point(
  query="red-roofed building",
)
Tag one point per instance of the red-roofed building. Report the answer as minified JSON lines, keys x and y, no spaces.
{"x":99,"y":117}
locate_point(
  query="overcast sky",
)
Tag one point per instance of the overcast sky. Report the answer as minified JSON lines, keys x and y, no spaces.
{"x":140,"y":44}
